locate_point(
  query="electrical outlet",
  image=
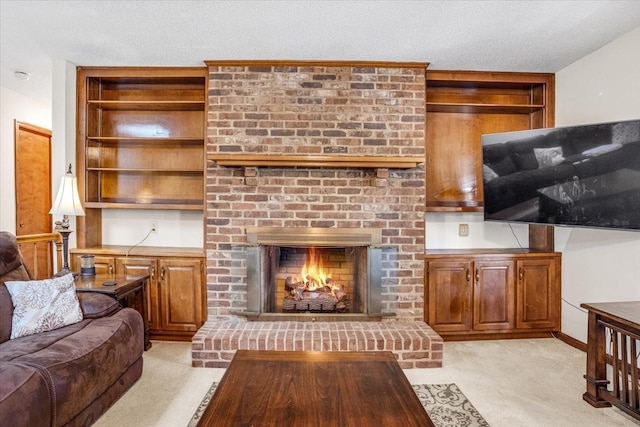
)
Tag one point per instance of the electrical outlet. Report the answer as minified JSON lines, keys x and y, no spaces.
{"x":154,"y":227}
{"x":463,"y":230}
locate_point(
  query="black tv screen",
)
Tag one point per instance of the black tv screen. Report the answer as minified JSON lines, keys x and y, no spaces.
{"x":585,"y":176}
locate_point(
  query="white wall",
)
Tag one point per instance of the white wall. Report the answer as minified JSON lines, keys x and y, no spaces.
{"x":441,"y":232}
{"x":598,"y":265}
{"x":120,"y":227}
{"x":14,"y":106}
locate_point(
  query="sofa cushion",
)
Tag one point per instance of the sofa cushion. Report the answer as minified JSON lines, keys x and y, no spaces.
{"x":79,"y":361}
{"x":95,"y":305}
{"x":11,"y":265}
{"x":576,"y":140}
{"x":82,"y":364}
{"x":496,"y":156}
{"x":43,"y":305}
{"x":522,"y":155}
{"x":11,"y":268}
{"x":20,"y":384}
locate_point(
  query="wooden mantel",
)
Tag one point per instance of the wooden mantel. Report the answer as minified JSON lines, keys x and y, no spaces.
{"x":239,"y":159}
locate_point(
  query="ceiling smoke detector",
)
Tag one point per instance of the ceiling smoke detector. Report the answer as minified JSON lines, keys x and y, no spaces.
{"x":21,"y":75}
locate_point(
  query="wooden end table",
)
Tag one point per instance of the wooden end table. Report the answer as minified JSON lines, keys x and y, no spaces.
{"x":620,"y":321}
{"x":129,"y":291}
{"x":314,"y":388}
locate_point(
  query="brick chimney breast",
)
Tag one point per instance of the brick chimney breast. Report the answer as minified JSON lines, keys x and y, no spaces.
{"x":314,"y":109}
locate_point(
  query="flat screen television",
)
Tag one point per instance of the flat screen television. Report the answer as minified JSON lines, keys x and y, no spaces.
{"x":586,"y":176}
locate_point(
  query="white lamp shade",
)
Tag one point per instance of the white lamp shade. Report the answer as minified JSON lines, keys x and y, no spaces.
{"x":68,"y":200}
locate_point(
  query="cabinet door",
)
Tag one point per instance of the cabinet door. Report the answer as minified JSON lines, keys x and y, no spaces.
{"x":138,"y":266}
{"x":104,"y":264}
{"x":449,"y":295}
{"x":181,"y":294}
{"x":453,"y":161}
{"x":538,"y":294}
{"x":494,"y":299}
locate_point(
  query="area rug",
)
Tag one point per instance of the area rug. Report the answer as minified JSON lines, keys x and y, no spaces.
{"x":446,"y":405}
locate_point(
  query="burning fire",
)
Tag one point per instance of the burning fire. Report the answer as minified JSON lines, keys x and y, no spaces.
{"x":313,"y":274}
{"x":314,"y":284}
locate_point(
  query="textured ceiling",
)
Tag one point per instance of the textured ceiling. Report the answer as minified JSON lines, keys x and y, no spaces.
{"x":542,"y":36}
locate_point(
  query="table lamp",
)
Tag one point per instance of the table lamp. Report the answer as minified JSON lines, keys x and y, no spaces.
{"x":67,"y":203}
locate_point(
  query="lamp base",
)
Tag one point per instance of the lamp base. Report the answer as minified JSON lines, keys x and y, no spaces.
{"x":62,"y":227}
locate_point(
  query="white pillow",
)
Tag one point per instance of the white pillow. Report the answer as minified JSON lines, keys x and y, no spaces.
{"x":601,"y":149}
{"x":548,"y":157}
{"x":43,"y":305}
{"x":488,"y":174}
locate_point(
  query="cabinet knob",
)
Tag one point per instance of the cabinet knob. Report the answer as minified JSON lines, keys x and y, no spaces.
{"x":477,"y":275}
{"x":162,"y":274}
{"x":153,"y":273}
{"x":520,"y":274}
{"x":110,"y":268}
{"x":468,"y":275}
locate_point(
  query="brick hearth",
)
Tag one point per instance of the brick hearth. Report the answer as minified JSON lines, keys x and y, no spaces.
{"x":312,"y":109}
{"x":414,"y":344}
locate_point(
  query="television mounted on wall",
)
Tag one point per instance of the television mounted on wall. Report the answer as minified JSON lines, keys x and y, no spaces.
{"x":583,"y":176}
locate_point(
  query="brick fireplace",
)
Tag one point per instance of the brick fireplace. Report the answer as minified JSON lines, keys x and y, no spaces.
{"x":307,"y":147}
{"x":316,"y":274}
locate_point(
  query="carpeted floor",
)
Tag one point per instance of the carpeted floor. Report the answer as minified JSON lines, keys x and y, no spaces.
{"x":532,"y":383}
{"x":446,"y":405}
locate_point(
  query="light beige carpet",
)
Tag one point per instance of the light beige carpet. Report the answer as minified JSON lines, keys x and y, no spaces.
{"x":529,"y":383}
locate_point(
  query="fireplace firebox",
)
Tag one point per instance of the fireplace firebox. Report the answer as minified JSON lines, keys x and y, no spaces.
{"x":313,"y":274}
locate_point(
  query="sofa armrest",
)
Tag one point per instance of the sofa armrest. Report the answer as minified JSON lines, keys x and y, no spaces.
{"x":95,"y":305}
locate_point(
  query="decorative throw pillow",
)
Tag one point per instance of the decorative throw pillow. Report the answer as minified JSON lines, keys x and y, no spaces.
{"x":488,"y":174}
{"x":601,"y":149}
{"x":43,"y":305}
{"x":548,"y":157}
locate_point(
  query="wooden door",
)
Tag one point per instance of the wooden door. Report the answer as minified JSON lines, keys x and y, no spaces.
{"x":449,"y":295}
{"x":181,"y":295}
{"x":139,"y":266}
{"x":538,"y":294}
{"x":493,"y":299}
{"x":33,"y":192}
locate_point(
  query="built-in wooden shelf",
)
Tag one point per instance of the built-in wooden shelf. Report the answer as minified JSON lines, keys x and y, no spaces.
{"x":317,"y":161}
{"x":152,"y":105}
{"x":471,"y":108}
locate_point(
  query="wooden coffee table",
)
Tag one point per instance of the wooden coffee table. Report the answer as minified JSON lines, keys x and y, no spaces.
{"x":298,"y":388}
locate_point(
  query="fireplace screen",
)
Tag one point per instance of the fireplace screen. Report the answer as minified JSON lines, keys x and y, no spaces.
{"x":310,"y":279}
{"x":328,"y":272}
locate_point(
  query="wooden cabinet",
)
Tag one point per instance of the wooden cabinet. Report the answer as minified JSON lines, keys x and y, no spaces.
{"x":461,"y":107}
{"x":493,"y":293}
{"x":449,"y":293}
{"x":472,"y":294}
{"x":176,"y":298}
{"x":538,"y":295}
{"x":181,"y":295}
{"x":140,"y":141}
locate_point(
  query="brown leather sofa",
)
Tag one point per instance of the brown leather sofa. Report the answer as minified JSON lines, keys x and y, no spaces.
{"x":71,"y":375}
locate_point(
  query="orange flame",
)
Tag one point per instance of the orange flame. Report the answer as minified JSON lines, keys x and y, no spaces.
{"x":314,"y":276}
{"x":313,"y":271}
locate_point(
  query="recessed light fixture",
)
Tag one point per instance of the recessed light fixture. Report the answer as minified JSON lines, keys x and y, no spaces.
{"x":21,"y":75}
